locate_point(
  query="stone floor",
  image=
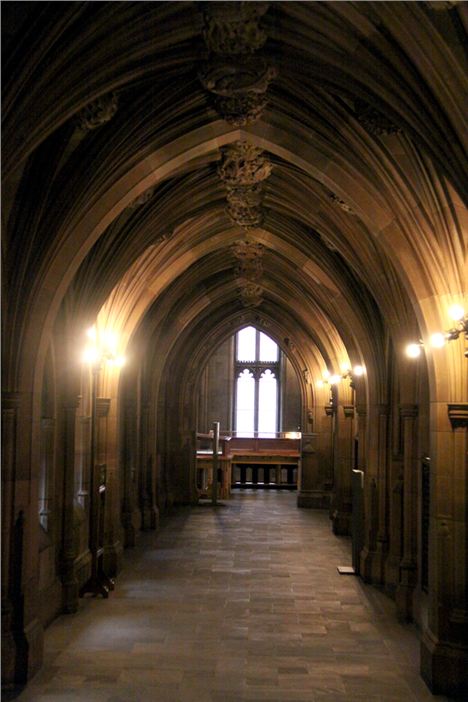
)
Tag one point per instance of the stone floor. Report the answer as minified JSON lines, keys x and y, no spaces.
{"x":239,"y":603}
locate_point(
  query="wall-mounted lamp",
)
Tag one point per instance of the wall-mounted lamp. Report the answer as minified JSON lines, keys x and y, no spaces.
{"x":346,"y":372}
{"x":102,"y":347}
{"x":439,"y":339}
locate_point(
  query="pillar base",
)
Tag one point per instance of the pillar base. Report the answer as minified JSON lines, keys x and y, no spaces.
{"x":444,"y":667}
{"x":113,"y":558}
{"x":22,"y":650}
{"x":373,"y":564}
{"x":341,"y":523}
{"x":70,"y":596}
{"x":131,"y":526}
{"x":149,"y":518}
{"x":313,"y":499}
{"x":404,"y":602}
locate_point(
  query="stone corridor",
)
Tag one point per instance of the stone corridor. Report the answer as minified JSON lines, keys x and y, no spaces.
{"x":239,"y":603}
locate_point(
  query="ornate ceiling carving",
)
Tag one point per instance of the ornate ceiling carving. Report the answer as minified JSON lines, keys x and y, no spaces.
{"x":374,"y":121}
{"x":251,"y":295}
{"x":237,"y":79}
{"x":243,"y":164}
{"x":249,"y":271}
{"x":233,"y":27}
{"x":97,"y":112}
{"x":243,"y":169}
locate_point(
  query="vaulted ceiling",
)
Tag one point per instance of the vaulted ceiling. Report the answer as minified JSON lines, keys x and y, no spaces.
{"x":142,"y":142}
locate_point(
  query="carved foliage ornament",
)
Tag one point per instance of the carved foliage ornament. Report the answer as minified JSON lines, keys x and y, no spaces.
{"x":249,"y":271}
{"x":243,"y":164}
{"x":245,"y":76}
{"x":249,"y":254}
{"x":245,"y":250}
{"x":97,"y":113}
{"x":233,"y":27}
{"x":241,"y":110}
{"x":243,"y":169}
{"x":239,"y":87}
{"x":374,"y":121}
{"x":236,"y":78}
{"x":251,"y":295}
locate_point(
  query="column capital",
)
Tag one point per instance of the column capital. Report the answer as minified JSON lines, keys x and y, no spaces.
{"x":408,"y":410}
{"x":71,"y":402}
{"x":11,"y":399}
{"x":458,"y":415}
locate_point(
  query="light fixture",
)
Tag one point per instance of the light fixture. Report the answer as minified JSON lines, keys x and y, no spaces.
{"x":413,"y":350}
{"x":346,"y":372}
{"x":102,"y":348}
{"x":439,"y":339}
{"x":456,"y":313}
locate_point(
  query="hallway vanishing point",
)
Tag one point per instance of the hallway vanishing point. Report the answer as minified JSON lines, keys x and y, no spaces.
{"x":238,"y":603}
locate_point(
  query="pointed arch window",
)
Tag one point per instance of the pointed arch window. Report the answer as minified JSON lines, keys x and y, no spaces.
{"x":257,"y":363}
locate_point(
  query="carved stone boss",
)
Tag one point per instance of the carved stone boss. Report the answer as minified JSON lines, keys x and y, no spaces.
{"x":249,"y":271}
{"x":237,"y":79}
{"x":243,"y":170}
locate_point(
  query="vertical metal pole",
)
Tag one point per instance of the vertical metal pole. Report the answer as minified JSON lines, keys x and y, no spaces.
{"x":214,"y":485}
{"x":94,"y":482}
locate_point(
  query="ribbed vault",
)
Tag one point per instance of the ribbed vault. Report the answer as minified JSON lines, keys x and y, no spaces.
{"x":361,"y":215}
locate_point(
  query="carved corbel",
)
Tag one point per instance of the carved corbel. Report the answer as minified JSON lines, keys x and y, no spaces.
{"x":458,"y":415}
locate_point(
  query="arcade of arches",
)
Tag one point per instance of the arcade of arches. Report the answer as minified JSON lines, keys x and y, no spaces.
{"x":176,"y":171}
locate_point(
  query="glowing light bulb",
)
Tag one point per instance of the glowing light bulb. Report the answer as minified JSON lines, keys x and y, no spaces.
{"x":437,"y":340}
{"x":334,"y":379}
{"x":91,"y":333}
{"x":120,"y":361}
{"x":109,"y":340}
{"x":456,"y":312}
{"x":413,"y":350}
{"x":326,"y":374}
{"x":344,"y":368}
{"x":358,"y":370}
{"x":90,"y":354}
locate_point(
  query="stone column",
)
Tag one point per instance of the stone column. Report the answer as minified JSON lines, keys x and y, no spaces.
{"x":382,"y":532}
{"x":408,"y":564}
{"x":444,"y":645}
{"x":311,"y":492}
{"x":69,"y":552}
{"x":128,"y":473}
{"x":22,"y":632}
{"x":149,"y":511}
{"x":375,"y":552}
{"x":84,"y":461}
{"x":344,"y":442}
{"x":106,"y":459}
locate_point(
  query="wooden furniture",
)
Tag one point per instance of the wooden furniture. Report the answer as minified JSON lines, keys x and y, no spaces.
{"x":247,"y":462}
